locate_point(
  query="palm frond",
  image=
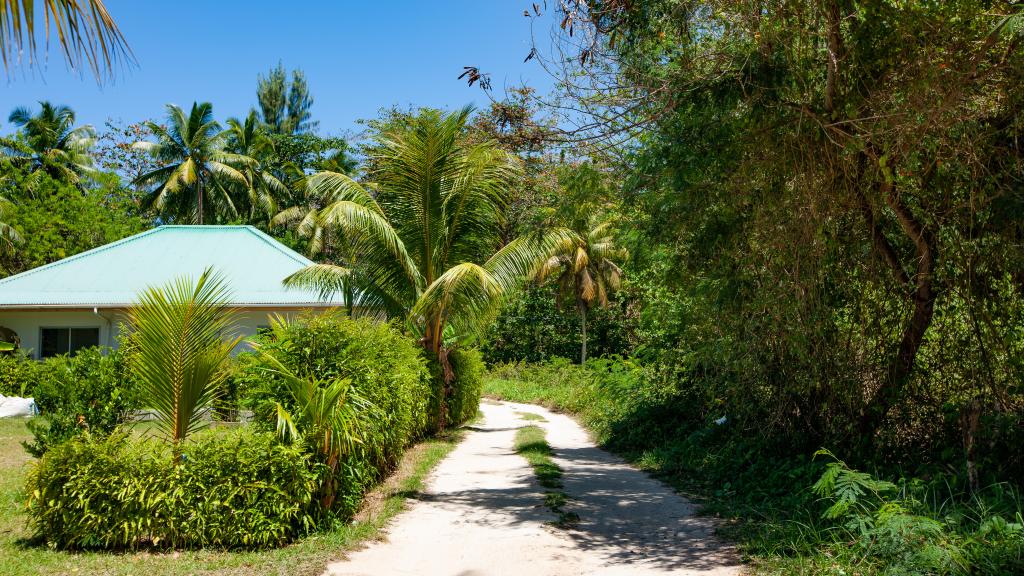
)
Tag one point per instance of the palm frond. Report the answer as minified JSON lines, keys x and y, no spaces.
{"x":328,"y":279}
{"x":86,"y":34}
{"x":178,"y":336}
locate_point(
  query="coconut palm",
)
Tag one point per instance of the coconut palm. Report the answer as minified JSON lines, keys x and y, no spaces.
{"x":197,"y":175}
{"x":84,"y":29}
{"x":49,"y":141}
{"x":432,"y":232}
{"x":180,"y":351}
{"x":586,"y":273}
{"x":263,"y":189}
{"x":342,"y":250}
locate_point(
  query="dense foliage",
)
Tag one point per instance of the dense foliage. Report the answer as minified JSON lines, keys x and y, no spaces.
{"x":826,"y":195}
{"x":383,"y":367}
{"x":56,"y":219}
{"x":463,"y":398}
{"x":91,"y":392}
{"x":533,"y":328}
{"x":19,"y":375}
{"x":849,"y":517}
{"x":234,"y":489}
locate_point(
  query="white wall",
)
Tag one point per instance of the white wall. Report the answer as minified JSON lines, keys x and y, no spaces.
{"x":28,"y":323}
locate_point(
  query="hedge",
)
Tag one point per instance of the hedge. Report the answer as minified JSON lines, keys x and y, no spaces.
{"x":385,"y":368}
{"x":233,"y":489}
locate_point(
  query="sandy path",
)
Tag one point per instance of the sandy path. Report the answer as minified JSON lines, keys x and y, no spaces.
{"x":483,"y":514}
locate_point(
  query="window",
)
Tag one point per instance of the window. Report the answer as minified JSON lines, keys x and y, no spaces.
{"x":54,"y":341}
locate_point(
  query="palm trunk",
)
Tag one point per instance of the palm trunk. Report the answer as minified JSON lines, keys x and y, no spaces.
{"x":199,"y":198}
{"x":583,"y":331}
{"x":433,"y":343}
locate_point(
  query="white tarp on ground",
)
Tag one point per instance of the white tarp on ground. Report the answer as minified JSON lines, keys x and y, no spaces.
{"x":14,"y":406}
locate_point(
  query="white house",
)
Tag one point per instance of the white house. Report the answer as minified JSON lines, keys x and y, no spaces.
{"x":82,"y":300}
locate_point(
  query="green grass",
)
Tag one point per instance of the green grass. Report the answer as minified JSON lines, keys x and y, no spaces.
{"x":531,"y":443}
{"x":530,"y":416}
{"x":309,"y":556}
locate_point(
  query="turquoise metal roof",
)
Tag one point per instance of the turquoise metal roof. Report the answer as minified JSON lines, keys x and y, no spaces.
{"x":252,"y":263}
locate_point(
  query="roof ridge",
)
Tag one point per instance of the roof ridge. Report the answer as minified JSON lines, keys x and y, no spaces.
{"x":80,"y":255}
{"x":277,"y":245}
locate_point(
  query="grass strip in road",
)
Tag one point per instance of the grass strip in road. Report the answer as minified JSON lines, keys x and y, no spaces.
{"x":531,"y":416}
{"x":531,"y":443}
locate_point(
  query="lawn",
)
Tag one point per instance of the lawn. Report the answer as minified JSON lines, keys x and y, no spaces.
{"x":308,"y":556}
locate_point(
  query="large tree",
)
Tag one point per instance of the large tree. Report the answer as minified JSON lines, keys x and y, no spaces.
{"x":430,"y":233}
{"x":834,"y":178}
{"x":587,"y":274}
{"x":285,"y":104}
{"x":263,"y":190}
{"x":49,"y":141}
{"x":196,"y":177}
{"x":60,"y":219}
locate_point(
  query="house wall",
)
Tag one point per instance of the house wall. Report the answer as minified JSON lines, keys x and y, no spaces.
{"x":28,"y":323}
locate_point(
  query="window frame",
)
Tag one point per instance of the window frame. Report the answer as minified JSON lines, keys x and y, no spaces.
{"x":39,"y":351}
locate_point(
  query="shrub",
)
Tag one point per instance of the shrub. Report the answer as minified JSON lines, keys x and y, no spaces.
{"x":19,"y":374}
{"x":464,"y":400}
{"x":233,"y":489}
{"x":91,"y":390}
{"x":385,"y":368}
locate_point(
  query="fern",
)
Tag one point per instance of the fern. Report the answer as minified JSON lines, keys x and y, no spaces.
{"x":847,"y":487}
{"x":885,"y":529}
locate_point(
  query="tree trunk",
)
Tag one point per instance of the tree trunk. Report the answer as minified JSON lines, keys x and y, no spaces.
{"x":583,"y":332}
{"x":923,"y":298}
{"x":199,"y":199}
{"x":433,"y":343}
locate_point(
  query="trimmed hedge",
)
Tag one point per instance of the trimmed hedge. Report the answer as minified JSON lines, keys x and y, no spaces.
{"x":233,"y":489}
{"x":385,"y":368}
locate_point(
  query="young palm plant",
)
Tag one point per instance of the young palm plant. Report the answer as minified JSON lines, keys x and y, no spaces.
{"x":328,"y":415}
{"x":432,"y":231}
{"x":586,"y":273}
{"x":180,"y":349}
{"x":49,"y":141}
{"x":196,"y":175}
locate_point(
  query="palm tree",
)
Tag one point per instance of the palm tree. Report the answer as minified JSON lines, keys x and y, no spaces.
{"x":586,"y":272}
{"x":342,"y":250}
{"x":84,"y":30}
{"x":179,"y":351}
{"x":432,"y":233}
{"x":263,"y":189}
{"x":196,"y":175}
{"x":49,"y":141}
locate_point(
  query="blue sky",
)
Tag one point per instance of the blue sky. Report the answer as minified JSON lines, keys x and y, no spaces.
{"x":357,"y":56}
